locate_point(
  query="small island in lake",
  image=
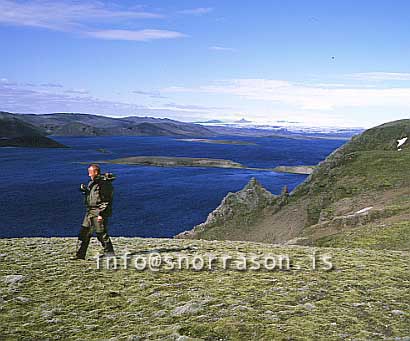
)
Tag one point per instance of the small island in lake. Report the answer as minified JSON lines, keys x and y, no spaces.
{"x":219,"y":141}
{"x":171,"y":161}
{"x":295,"y":169}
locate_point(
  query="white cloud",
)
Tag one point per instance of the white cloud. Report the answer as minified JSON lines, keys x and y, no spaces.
{"x":151,"y":94}
{"x":51,"y":85}
{"x":142,"y":35}
{"x":305,"y":97}
{"x":221,"y":48}
{"x":381,"y":76}
{"x":262,"y":101}
{"x":15,"y":97}
{"x":81,"y":18}
{"x":191,"y":107}
{"x":77,"y":91}
{"x":197,"y":11}
{"x":63,"y":15}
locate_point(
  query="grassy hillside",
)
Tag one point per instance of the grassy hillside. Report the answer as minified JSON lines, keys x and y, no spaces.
{"x":44,"y":295}
{"x":14,"y":132}
{"x":11,"y":127}
{"x":368,"y":172}
{"x":363,"y":185}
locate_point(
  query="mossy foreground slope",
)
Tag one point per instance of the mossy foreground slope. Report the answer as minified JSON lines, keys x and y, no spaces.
{"x":44,"y":295}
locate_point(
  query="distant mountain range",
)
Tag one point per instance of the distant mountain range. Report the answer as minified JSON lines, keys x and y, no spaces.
{"x":73,"y":124}
{"x":282,"y":128}
{"x":13,"y":126}
{"x":242,"y":120}
{"x":30,"y":130}
{"x":209,"y":122}
{"x":285,"y":132}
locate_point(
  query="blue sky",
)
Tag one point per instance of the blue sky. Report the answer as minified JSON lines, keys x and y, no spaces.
{"x":320,"y":63}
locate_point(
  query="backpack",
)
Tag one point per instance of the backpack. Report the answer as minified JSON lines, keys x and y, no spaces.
{"x":106,"y":182}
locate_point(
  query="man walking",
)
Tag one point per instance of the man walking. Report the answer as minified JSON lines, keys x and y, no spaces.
{"x":98,"y":201}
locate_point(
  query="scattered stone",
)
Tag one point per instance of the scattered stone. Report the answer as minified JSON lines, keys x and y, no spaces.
{"x":309,"y":306}
{"x":91,"y":327}
{"x":133,"y":338}
{"x":155,"y":294}
{"x":160,"y":313}
{"x":48,"y":313}
{"x":188,"y":308}
{"x":272,"y":318}
{"x":240,"y":307}
{"x":187,"y":338}
{"x":23,"y":299}
{"x":397,"y":312}
{"x":13,"y":279}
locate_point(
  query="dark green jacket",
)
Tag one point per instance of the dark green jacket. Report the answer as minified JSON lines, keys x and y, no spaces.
{"x":99,"y":195}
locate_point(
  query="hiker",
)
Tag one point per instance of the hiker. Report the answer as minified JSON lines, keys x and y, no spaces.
{"x":98,"y":201}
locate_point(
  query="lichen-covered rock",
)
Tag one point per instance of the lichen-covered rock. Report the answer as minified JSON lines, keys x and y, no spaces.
{"x":188,"y":308}
{"x":13,"y":279}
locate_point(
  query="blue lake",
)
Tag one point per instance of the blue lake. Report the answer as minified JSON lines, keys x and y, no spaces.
{"x":40,"y":187}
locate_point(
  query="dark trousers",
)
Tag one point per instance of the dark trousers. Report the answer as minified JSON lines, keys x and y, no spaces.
{"x":91,"y":224}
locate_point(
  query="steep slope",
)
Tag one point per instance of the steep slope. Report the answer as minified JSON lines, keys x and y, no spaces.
{"x":17,"y":133}
{"x":11,"y":126}
{"x":235,"y":217}
{"x":31,"y":141}
{"x":361,"y":185}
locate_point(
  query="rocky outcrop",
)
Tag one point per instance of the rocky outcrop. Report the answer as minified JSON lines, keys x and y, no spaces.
{"x":236,"y":211}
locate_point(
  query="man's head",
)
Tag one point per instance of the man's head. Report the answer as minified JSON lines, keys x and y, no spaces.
{"x":93,"y":171}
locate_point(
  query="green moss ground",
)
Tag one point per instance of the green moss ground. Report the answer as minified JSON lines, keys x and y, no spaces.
{"x":365,"y":297}
{"x":373,"y":236}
